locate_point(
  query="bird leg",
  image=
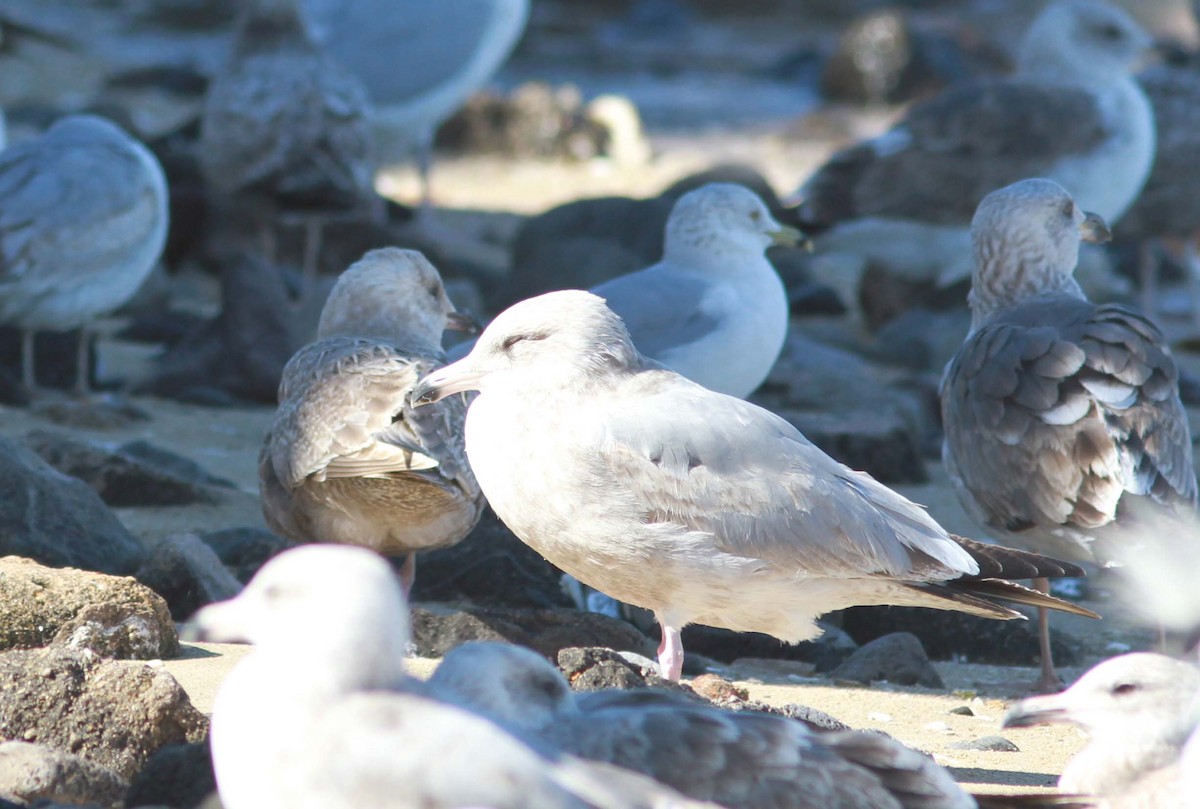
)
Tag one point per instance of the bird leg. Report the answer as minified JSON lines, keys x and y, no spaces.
{"x":81,"y":364}
{"x":28,"y":377}
{"x":425,"y":168}
{"x":1191,"y":263}
{"x":1048,"y":681}
{"x":311,"y":263}
{"x":1149,"y":259}
{"x":670,"y":653}
{"x":408,"y":574}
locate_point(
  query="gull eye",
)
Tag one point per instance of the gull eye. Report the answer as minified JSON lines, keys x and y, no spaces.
{"x":1124,"y":688}
{"x":1068,"y":209}
{"x":513,"y":339}
{"x":1110,"y":31}
{"x":756,"y":216}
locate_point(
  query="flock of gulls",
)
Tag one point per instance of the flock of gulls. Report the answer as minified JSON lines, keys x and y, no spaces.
{"x":608,"y":429}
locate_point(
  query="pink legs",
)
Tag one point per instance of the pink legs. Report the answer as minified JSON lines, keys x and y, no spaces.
{"x":670,"y":652}
{"x":408,"y":574}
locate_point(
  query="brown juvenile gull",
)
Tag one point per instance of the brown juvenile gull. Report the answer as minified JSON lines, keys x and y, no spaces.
{"x":746,"y":760}
{"x":1071,"y":112}
{"x":1136,"y":710}
{"x":347,"y":458}
{"x":321,"y":715}
{"x":419,"y":60}
{"x":284,"y":134}
{"x":698,"y":506}
{"x":83,"y":220}
{"x":1057,"y":411}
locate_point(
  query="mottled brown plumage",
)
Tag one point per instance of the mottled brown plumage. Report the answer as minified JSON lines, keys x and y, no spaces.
{"x":348,"y":459}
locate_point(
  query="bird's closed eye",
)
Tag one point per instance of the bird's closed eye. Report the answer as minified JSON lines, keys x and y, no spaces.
{"x":513,"y":339}
{"x":1124,"y":688}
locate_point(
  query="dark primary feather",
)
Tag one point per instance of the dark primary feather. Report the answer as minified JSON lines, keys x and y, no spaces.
{"x":1057,"y":409}
{"x":949,"y":152}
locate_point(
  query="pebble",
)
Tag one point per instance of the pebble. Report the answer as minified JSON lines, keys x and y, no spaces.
{"x":995,"y":744}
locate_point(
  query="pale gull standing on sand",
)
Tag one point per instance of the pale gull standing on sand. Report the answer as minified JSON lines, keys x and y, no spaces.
{"x":284,"y":134}
{"x":696,"y":505}
{"x":1137,"y":712}
{"x":83,"y":220}
{"x":1072,"y":112}
{"x":347,"y":458}
{"x":419,"y":60}
{"x":321,"y":714}
{"x":1057,"y":412}
{"x":747,"y":760}
{"x":714,"y":309}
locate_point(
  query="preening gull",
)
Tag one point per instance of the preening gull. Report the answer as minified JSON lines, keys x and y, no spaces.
{"x":284,"y":132}
{"x":714,"y":309}
{"x":320,"y":713}
{"x":1071,"y":112}
{"x":696,"y":505}
{"x":1057,"y":412}
{"x":1135,"y":708}
{"x":347,"y":458}
{"x":83,"y":220}
{"x":743,"y":760}
{"x":419,"y":60}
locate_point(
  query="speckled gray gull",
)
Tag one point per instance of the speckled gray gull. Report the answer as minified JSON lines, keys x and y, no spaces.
{"x":347,"y":459}
{"x":320,"y":713}
{"x":284,"y":135}
{"x":714,"y":309}
{"x":419,"y":60}
{"x":1137,"y":710}
{"x":83,"y":220}
{"x":744,"y":760}
{"x":1057,"y":412}
{"x":1071,"y":112}
{"x":698,"y":506}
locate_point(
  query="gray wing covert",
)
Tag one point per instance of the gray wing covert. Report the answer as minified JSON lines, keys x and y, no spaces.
{"x":1050,"y":425}
{"x":661,"y":308}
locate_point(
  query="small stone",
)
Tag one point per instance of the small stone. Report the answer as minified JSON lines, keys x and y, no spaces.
{"x":962,"y":710}
{"x":717,"y":689}
{"x":897,"y":658}
{"x":187,"y":573}
{"x":996,"y":744}
{"x":595,"y":669}
{"x":938,"y":727}
{"x":31,"y":773}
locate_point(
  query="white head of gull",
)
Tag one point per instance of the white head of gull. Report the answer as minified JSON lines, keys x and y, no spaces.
{"x":698,"y":506}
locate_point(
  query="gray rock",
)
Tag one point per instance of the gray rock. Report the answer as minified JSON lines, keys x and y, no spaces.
{"x":244,"y":550}
{"x":113,"y":713}
{"x":546,"y":631}
{"x":142,"y":476}
{"x":178,"y":775}
{"x":57,"y":519}
{"x":185,"y":571}
{"x":996,"y":744}
{"x":594,"y":669}
{"x":897,"y":658}
{"x":34,"y":772}
{"x":113,"y":616}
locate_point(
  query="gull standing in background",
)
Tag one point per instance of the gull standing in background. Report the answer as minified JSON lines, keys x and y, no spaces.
{"x":83,"y":221}
{"x":1072,"y":112}
{"x":284,"y":135}
{"x":698,"y":506}
{"x":347,"y":458}
{"x":1057,"y":412}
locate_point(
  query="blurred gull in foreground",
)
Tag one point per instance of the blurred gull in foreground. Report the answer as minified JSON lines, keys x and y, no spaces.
{"x":1139,"y":711}
{"x":284,"y":133}
{"x":1057,"y":412}
{"x":83,"y":220}
{"x":698,"y":506}
{"x":347,"y":458}
{"x":714,"y":309}
{"x":321,"y":715}
{"x":1072,"y":112}
{"x":419,"y":60}
{"x":746,"y":760}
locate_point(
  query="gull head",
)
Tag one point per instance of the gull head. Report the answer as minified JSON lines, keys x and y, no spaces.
{"x":87,"y":130}
{"x":507,"y":683}
{"x":1141,"y":692}
{"x":1087,"y":41}
{"x":559,"y":340}
{"x":1025,"y":240}
{"x":320,"y":604}
{"x":722,"y":218}
{"x":391,"y":294}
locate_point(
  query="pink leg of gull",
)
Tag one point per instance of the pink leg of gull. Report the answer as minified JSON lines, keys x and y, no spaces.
{"x":670,"y":653}
{"x":408,"y":574}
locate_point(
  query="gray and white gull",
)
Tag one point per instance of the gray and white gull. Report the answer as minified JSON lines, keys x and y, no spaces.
{"x":347,"y":459}
{"x":1071,"y":112}
{"x":698,"y":506}
{"x":83,"y":220}
{"x":1057,"y":412}
{"x":321,"y":715}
